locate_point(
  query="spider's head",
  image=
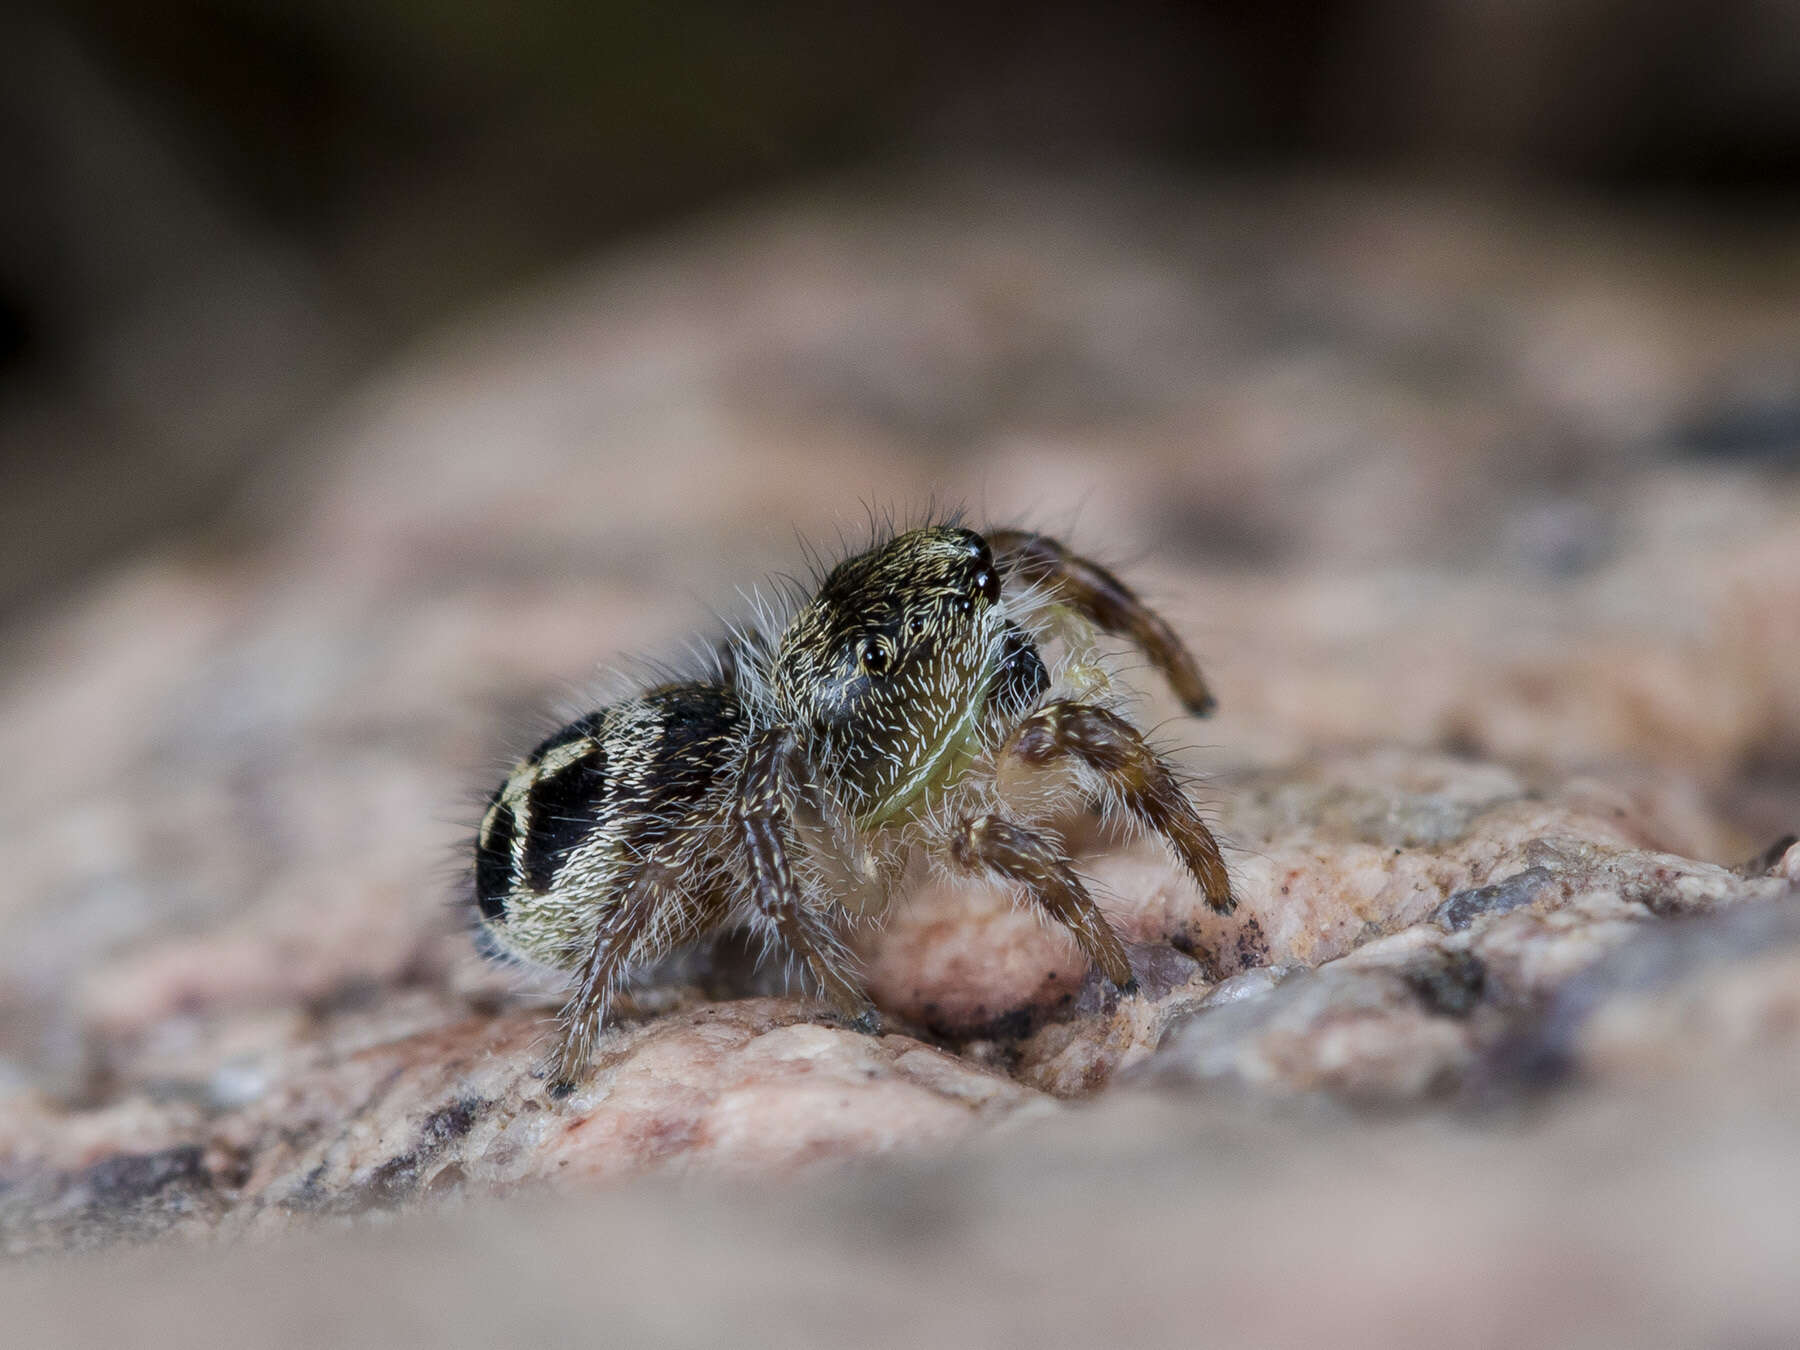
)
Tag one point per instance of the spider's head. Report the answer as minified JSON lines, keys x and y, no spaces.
{"x":886,"y":668}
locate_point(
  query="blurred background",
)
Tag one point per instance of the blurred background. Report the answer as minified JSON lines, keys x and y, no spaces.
{"x":222,"y":214}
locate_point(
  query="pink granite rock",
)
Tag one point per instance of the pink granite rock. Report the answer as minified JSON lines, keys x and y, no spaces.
{"x":1505,"y":681}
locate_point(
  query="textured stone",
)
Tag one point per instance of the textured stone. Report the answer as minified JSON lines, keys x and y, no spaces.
{"x":1660,"y":1219}
{"x":1484,"y":751}
{"x":374,"y":1121}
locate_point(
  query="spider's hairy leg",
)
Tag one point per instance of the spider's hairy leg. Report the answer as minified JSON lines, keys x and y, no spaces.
{"x":1099,"y":749}
{"x":1106,"y":602}
{"x":1006,"y":849}
{"x":775,"y":785}
{"x":655,"y":885}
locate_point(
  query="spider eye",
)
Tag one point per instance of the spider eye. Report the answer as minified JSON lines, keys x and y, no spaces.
{"x":874,"y":657}
{"x":915,"y":626}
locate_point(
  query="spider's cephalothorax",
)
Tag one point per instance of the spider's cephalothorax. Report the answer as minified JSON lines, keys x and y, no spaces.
{"x":884,"y":673}
{"x":905,"y":707}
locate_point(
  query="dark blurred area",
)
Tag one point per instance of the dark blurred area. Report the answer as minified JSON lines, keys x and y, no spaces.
{"x":218,"y":212}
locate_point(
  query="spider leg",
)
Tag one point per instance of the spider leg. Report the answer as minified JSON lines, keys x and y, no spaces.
{"x":1106,"y":753}
{"x":615,"y":940}
{"x":777,"y":784}
{"x":994,"y":844}
{"x":1106,"y":602}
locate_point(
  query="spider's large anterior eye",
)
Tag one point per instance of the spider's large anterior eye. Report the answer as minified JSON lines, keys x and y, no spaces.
{"x":983,"y":579}
{"x":873,"y":657}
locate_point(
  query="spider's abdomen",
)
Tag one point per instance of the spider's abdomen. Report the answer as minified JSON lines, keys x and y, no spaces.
{"x":562,"y":836}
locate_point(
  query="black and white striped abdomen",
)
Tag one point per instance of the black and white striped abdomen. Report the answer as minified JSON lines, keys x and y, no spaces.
{"x":562,"y":834}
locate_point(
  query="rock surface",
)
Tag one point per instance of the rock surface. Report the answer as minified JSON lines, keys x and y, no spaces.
{"x":1506,"y":672}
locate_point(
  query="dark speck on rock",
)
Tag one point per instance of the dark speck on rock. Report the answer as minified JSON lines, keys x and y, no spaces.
{"x":1010,"y":1025}
{"x":127,"y":1197}
{"x":448,"y":1179}
{"x":1449,"y":984}
{"x":1765,"y":863}
{"x":1543,"y":1053}
{"x":1097,"y":995}
{"x":1252,"y":946}
{"x":393,"y":1181}
{"x":452,"y":1122}
{"x":127,"y":1180}
{"x":1463,"y":907}
{"x":1760,"y":429}
{"x":1159,"y":969}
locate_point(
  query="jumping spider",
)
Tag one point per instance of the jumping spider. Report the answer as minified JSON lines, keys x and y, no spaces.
{"x":904,"y":707}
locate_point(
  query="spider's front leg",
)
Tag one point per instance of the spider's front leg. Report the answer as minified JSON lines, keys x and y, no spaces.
{"x":1106,"y":602}
{"x":775,"y":786}
{"x":1006,"y":849}
{"x":1096,"y":750}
